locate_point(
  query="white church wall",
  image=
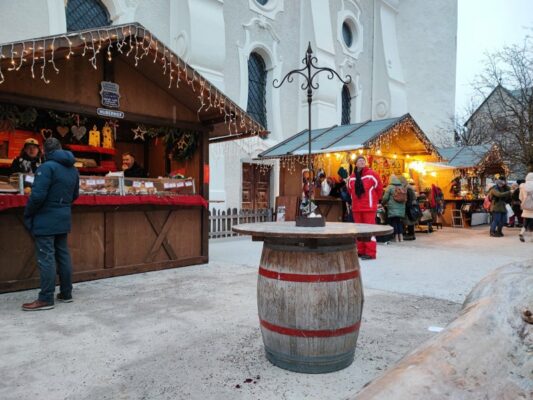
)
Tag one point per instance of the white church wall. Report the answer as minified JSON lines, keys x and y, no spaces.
{"x":428,"y":52}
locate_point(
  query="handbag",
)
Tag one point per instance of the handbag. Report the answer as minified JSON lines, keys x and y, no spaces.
{"x":426,"y":216}
{"x":413,"y":211}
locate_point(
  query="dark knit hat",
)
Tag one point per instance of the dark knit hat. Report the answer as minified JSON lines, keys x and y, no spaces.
{"x":51,"y":144}
{"x":342,"y":173}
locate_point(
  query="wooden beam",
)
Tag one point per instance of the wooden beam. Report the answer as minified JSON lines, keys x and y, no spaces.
{"x":11,"y":286}
{"x":64,"y":106}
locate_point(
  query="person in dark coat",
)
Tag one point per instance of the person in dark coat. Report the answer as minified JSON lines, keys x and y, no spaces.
{"x":499,"y":195}
{"x":131,"y":168}
{"x":48,"y":217}
{"x":29,"y":159}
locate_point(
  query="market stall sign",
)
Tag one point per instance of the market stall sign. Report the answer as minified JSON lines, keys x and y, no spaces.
{"x":104,"y":112}
{"x":110,"y":95}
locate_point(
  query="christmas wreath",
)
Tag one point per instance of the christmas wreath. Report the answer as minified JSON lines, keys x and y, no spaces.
{"x":181,"y":145}
{"x":12,"y":117}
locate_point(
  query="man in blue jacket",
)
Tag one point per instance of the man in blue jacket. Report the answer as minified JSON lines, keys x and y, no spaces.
{"x":48,"y":217}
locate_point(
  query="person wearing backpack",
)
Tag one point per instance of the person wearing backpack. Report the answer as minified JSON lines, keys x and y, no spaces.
{"x":499,"y":195}
{"x":365,"y":188}
{"x":526,"y":203}
{"x":412,"y":209}
{"x":394,"y":199}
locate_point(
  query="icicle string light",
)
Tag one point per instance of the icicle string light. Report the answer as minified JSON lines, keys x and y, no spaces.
{"x":141,"y":43}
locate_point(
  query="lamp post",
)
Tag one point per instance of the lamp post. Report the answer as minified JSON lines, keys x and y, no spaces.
{"x":309,"y":72}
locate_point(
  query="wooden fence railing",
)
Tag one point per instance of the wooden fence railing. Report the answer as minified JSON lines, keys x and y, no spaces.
{"x":220,"y":221}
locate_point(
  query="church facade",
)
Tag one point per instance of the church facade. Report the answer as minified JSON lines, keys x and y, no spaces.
{"x":400,"y":54}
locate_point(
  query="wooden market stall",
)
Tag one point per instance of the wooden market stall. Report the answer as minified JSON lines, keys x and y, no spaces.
{"x":463,"y":178}
{"x":103,"y":92}
{"x":391,"y":146}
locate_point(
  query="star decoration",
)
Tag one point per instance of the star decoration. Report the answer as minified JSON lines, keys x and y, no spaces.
{"x":182,"y":143}
{"x":139,"y":133}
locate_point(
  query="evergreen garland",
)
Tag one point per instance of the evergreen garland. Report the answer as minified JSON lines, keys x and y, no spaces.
{"x":181,"y":144}
{"x":18,"y":117}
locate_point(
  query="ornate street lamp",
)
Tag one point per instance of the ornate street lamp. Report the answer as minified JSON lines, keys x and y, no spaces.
{"x":309,"y":72}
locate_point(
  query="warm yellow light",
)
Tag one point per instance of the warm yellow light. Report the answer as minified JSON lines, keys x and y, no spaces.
{"x":433,"y":174}
{"x":353,"y":156}
{"x":407,"y":156}
{"x":378,"y":152}
{"x":328,"y":155}
{"x":360,"y":151}
{"x":395,"y":156}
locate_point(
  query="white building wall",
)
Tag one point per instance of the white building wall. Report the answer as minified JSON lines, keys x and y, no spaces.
{"x":427,"y":41}
{"x":402,"y":59}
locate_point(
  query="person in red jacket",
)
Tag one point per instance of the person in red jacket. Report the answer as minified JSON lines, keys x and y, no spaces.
{"x":366,"y":189}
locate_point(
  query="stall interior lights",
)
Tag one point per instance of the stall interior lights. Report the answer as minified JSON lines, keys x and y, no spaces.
{"x":433,"y":174}
{"x":137,"y":41}
{"x":353,"y":156}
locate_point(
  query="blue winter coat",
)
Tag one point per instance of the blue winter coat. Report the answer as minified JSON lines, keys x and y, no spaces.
{"x":55,"y":187}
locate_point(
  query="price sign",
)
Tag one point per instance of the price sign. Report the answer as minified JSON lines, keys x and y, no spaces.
{"x":137,"y":184}
{"x":188,"y":183}
{"x":91,"y":182}
{"x":29,"y":178}
{"x":149,"y":184}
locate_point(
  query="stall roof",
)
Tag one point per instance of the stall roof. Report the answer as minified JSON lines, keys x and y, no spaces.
{"x":344,"y":138}
{"x":464,"y":157}
{"x":134,"y":42}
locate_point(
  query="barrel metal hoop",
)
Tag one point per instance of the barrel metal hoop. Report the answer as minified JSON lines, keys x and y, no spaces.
{"x":301,"y":248}
{"x":315,"y":278}
{"x":310,"y":333}
{"x":310,"y":364}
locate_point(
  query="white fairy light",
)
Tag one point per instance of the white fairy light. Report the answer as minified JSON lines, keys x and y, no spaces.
{"x":43,"y":67}
{"x":70,"y":52}
{"x":12,"y":67}
{"x":1,"y":56}
{"x":22,"y":54}
{"x":52,"y":60}
{"x":33,"y":60}
{"x":170,"y":74}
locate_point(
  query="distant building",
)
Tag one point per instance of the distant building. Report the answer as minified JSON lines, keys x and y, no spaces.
{"x":401,"y":55}
{"x":498,"y":120}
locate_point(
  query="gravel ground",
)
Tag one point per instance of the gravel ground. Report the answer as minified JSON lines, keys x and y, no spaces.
{"x":192,"y":333}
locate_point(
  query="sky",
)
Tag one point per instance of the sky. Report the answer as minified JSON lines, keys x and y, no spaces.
{"x":486,"y":26}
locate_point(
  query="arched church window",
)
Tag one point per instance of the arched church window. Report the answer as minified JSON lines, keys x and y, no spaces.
{"x":346,"y":105}
{"x":257,"y":75}
{"x":86,"y":14}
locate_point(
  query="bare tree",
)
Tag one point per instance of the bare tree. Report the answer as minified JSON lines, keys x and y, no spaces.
{"x":454,"y":132}
{"x":506,"y":115}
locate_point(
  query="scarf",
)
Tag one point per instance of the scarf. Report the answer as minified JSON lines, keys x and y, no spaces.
{"x":359,"y":188}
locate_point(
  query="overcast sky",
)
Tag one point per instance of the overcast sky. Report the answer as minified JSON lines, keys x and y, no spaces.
{"x":486,"y":25}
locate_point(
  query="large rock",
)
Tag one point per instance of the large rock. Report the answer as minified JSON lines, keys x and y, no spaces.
{"x":486,"y":353}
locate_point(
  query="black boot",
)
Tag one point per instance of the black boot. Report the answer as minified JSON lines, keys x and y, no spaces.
{"x":499,"y":232}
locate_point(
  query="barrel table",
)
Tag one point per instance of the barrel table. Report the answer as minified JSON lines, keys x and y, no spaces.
{"x":309,"y":292}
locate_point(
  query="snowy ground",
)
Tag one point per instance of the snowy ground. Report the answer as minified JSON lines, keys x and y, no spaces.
{"x":192,"y":333}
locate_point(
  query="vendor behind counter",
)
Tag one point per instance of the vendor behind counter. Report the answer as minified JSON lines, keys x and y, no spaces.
{"x":29,"y":159}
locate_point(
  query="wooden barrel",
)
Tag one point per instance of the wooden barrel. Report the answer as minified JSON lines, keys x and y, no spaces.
{"x":310,"y":300}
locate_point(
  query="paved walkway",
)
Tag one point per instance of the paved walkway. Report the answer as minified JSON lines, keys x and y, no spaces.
{"x":192,"y":333}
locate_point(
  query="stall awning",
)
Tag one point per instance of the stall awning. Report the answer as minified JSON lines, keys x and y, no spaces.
{"x":464,"y":157}
{"x":356,"y":136}
{"x":139,"y":47}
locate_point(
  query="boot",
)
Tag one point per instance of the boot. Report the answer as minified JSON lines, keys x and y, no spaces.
{"x":400,"y":237}
{"x":499,"y":231}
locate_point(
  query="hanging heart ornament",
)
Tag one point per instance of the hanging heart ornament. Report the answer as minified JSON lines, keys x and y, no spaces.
{"x":62,"y":130}
{"x":78,"y":131}
{"x":46,"y":133}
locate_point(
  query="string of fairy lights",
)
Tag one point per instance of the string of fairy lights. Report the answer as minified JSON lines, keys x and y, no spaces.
{"x":128,"y":40}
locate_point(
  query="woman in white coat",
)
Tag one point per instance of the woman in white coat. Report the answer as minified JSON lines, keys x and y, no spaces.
{"x":526,"y":202}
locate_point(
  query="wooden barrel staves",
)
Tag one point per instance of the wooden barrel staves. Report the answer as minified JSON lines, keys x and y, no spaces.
{"x":310,"y":300}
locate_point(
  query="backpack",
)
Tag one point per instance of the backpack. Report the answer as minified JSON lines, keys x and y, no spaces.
{"x":399,"y":194}
{"x":528,"y":202}
{"x":487,"y":203}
